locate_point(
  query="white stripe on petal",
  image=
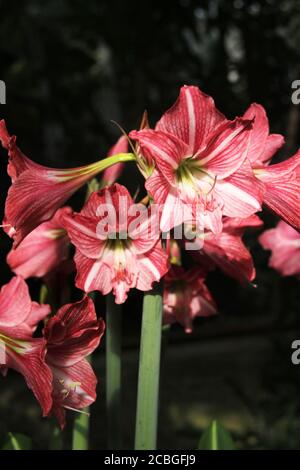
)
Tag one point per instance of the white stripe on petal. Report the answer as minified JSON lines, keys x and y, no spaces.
{"x":92,"y":274}
{"x":148,"y":264}
{"x":192,"y":120}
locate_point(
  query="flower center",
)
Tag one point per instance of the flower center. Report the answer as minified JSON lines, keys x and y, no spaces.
{"x":192,"y":179}
{"x":118,"y":247}
{"x":8,"y":344}
{"x":118,"y":242}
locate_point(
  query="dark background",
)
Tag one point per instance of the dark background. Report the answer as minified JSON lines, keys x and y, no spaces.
{"x":70,"y":68}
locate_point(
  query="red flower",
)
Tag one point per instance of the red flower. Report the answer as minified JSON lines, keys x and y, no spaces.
{"x":114,"y":250}
{"x":43,"y":250}
{"x":18,"y":350}
{"x":282,"y":180}
{"x":201,"y":159}
{"x":284,"y":243}
{"x":186,"y":297}
{"x":227,"y":250}
{"x":37,"y":191}
{"x":71,"y":335}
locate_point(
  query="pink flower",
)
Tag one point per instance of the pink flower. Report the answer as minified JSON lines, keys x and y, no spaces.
{"x":54,"y":366}
{"x":37,"y":191}
{"x":71,"y":335}
{"x":19,"y":317}
{"x":43,"y":250}
{"x":201,"y":160}
{"x":263,"y":145}
{"x":186,"y":297}
{"x":284,"y":243}
{"x":116,"y":250}
{"x":282,"y":180}
{"x":227,"y":250}
{"x":111,"y":174}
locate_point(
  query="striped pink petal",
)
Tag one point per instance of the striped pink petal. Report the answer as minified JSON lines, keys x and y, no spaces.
{"x":192,"y":118}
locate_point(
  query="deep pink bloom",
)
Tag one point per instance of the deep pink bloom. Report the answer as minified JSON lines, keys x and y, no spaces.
{"x":284,"y":243}
{"x":111,"y":174}
{"x":43,"y":250}
{"x":71,"y":335}
{"x":37,"y":191}
{"x":114,"y":252}
{"x":282,"y":180}
{"x":201,"y":159}
{"x":186,"y":297}
{"x":19,"y":317}
{"x":227,"y":250}
{"x":263,"y":145}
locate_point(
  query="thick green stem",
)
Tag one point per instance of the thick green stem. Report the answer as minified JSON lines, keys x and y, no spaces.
{"x":81,"y":431}
{"x":81,"y":427}
{"x":113,"y":372}
{"x":149,"y":372}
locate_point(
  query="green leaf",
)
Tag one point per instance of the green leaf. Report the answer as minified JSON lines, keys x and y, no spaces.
{"x":17,"y":442}
{"x":215,"y":437}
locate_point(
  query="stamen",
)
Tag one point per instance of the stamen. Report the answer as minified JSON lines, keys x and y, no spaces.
{"x":77,"y":411}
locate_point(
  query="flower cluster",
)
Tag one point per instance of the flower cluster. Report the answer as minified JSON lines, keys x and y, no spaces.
{"x":206,"y":178}
{"x":54,"y":365}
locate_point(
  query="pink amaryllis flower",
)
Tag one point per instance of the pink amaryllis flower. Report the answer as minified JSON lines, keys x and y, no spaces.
{"x":282,"y":180}
{"x":284,"y":243}
{"x":19,"y":317}
{"x":37,"y":191}
{"x":186,"y":297}
{"x":117,"y":244}
{"x":43,"y":250}
{"x":71,"y":335}
{"x":227,"y":250}
{"x":201,"y":160}
{"x":111,"y":174}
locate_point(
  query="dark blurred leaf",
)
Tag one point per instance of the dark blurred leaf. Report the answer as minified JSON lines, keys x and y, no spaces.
{"x":56,"y":439}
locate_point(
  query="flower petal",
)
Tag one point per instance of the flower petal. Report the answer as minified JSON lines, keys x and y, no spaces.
{"x":229,"y":253}
{"x":151,"y":267}
{"x":192,"y":118}
{"x":73,"y":333}
{"x":42,"y":250}
{"x":92,"y":274}
{"x":186,"y":297}
{"x":74,"y":387}
{"x":227,"y":148}
{"x":241,"y":193}
{"x":273,"y":144}
{"x":82,"y":232}
{"x":31,"y":364}
{"x":284,"y":242}
{"x":15,"y":302}
{"x":282,"y":189}
{"x":166,"y":149}
{"x":111,"y":174}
